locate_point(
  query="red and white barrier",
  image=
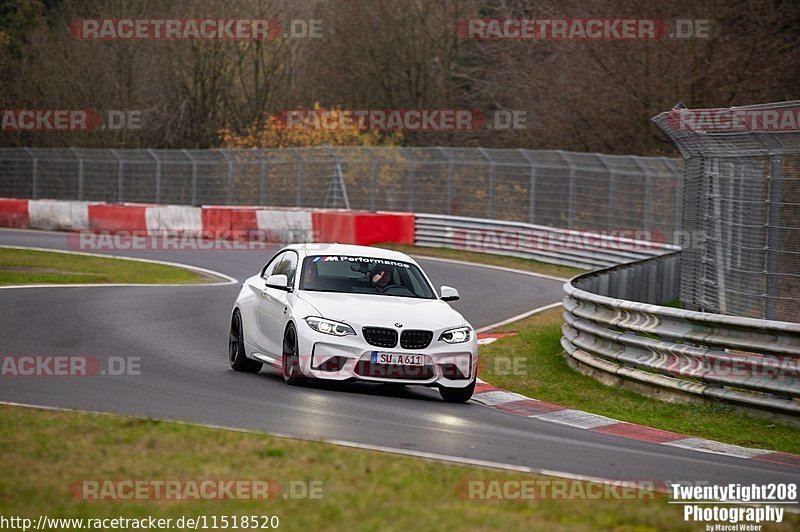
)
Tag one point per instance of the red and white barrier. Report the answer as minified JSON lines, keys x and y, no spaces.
{"x":174,"y":218}
{"x":59,"y":215}
{"x":364,"y":228}
{"x":270,"y":224}
{"x":14,"y":213}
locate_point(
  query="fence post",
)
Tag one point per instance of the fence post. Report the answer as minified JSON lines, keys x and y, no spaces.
{"x":80,"y":173}
{"x":158,"y":174}
{"x":229,"y":184}
{"x":262,"y":177}
{"x":612,"y":192}
{"x":373,"y":180}
{"x":492,"y":169}
{"x":298,"y":178}
{"x":531,"y":187}
{"x":648,"y":185}
{"x":120,"y":177}
{"x":194,"y":175}
{"x":571,"y":199}
{"x":449,"y":180}
{"x":773,"y":236}
{"x":410,"y":179}
{"x":34,"y":172}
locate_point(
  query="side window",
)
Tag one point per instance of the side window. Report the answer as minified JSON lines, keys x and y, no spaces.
{"x":288,"y":266}
{"x":270,"y":269}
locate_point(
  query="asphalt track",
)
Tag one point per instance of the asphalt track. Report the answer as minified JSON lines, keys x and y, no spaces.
{"x":180,"y":335}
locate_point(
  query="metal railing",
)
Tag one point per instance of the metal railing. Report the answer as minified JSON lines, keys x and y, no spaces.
{"x":744,"y":361}
{"x":578,"y":249}
{"x":582,"y":191}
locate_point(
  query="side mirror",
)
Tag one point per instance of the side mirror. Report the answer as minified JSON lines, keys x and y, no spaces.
{"x":279,"y":281}
{"x":450,"y":294}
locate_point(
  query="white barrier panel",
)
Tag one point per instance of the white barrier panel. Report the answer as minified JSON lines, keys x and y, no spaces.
{"x":286,"y":225}
{"x":174,"y":218}
{"x":59,"y":215}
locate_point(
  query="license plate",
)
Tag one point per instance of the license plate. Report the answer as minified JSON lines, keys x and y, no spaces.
{"x":399,"y":359}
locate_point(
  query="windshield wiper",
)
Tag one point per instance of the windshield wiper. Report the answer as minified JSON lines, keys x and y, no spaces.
{"x":324,"y":290}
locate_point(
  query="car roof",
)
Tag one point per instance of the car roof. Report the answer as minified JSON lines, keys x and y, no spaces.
{"x":350,"y":250}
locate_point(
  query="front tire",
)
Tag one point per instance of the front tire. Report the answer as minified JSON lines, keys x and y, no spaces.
{"x":291,"y":357}
{"x":238,"y":360}
{"x":457,"y":395}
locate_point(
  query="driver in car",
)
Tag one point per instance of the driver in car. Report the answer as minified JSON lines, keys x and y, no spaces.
{"x":381,"y":277}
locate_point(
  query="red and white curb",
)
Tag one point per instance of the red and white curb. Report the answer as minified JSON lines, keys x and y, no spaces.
{"x":520,"y":405}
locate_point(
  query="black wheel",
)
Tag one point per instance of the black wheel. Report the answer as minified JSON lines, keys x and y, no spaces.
{"x":291,"y":357}
{"x":457,"y":395}
{"x":236,"y":356}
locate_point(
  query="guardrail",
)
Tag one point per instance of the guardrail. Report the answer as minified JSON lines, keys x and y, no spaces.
{"x":744,"y":361}
{"x":579,"y":249}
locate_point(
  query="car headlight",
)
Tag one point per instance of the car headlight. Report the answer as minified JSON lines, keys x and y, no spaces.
{"x":324,"y":326}
{"x":456,"y":336}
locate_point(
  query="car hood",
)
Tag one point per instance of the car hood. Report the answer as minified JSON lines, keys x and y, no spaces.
{"x":384,"y":311}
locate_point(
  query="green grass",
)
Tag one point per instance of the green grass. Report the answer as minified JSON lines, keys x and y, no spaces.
{"x":487,"y":258}
{"x":22,"y":266}
{"x":545,"y":374}
{"x":45,"y":452}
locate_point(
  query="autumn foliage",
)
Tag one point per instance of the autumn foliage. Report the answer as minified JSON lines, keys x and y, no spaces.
{"x":270,"y":132}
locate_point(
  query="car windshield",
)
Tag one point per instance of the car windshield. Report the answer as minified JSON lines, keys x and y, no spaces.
{"x":364,"y":275}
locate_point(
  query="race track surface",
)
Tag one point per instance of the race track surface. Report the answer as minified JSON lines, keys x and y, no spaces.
{"x":181,"y":333}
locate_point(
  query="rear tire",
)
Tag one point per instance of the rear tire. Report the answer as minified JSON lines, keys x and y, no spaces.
{"x":457,"y":395}
{"x":291,"y":358}
{"x":236,"y":352}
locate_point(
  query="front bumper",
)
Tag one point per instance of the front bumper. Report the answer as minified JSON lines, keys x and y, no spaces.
{"x":350,"y":358}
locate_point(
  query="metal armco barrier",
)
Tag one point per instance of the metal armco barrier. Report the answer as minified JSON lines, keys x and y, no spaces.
{"x":579,"y":249}
{"x":744,"y":361}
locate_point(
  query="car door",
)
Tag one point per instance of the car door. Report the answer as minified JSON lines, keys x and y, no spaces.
{"x":255,"y":323}
{"x":274,"y":305}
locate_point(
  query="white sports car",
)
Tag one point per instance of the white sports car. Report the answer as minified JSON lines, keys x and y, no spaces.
{"x":339,"y":312}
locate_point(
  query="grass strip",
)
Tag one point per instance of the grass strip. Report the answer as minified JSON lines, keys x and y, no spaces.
{"x":23,"y":266}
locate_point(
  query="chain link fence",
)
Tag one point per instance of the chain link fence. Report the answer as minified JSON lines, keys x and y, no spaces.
{"x":742,"y":204}
{"x":581,"y":191}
